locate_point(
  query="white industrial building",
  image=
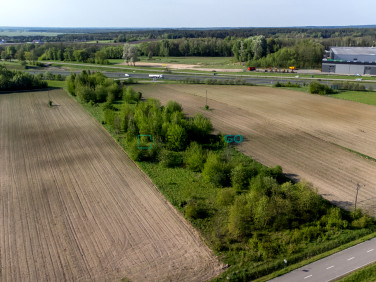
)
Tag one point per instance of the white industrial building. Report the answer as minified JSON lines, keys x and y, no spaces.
{"x":350,"y":60}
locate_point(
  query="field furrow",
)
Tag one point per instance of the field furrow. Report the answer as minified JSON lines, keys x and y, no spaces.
{"x":75,"y":207}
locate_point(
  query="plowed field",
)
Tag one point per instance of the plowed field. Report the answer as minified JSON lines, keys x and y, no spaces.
{"x":305,"y":134}
{"x":74,"y":207}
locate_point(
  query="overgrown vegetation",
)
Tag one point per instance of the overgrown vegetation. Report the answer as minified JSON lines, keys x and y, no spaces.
{"x":287,"y":84}
{"x":318,"y":88}
{"x":251,"y":215}
{"x":17,"y":80}
{"x":346,"y":85}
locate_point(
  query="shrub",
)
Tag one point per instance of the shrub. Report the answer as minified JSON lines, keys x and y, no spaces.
{"x":130,"y":96}
{"x":216,"y":170}
{"x":240,"y":218}
{"x":195,"y":157}
{"x":176,"y":137}
{"x":201,"y":126}
{"x":225,"y":197}
{"x":362,"y":222}
{"x":318,"y":88}
{"x":173,"y":106}
{"x":108,"y":116}
{"x":195,"y":210}
{"x":240,"y":177}
{"x":170,"y":159}
{"x":85,"y":93}
{"x":101,"y":93}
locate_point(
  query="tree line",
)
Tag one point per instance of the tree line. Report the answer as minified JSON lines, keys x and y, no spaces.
{"x":145,"y":34}
{"x":16,"y":80}
{"x":303,"y":48}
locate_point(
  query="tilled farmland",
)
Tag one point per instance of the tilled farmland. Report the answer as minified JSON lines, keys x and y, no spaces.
{"x":73,"y":206}
{"x":310,"y":136}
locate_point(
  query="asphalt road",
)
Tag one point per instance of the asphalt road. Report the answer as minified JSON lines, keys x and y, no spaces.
{"x":248,"y":79}
{"x":334,"y":266}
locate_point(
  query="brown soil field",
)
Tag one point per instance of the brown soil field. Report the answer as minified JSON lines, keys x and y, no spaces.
{"x":301,"y":132}
{"x":74,"y":207}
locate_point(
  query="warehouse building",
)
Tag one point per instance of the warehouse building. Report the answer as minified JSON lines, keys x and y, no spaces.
{"x":350,"y":60}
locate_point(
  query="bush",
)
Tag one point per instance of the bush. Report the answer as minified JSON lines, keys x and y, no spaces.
{"x":362,"y":222}
{"x":318,"y":88}
{"x":136,"y":153}
{"x":195,"y":211}
{"x":225,"y":197}
{"x":85,"y":93}
{"x":349,"y":86}
{"x":195,"y":157}
{"x":170,"y":159}
{"x":240,"y":218}
{"x":201,"y":126}
{"x":130,"y":96}
{"x":240,"y":177}
{"x":216,"y":170}
{"x":100,"y":93}
{"x":176,"y":137}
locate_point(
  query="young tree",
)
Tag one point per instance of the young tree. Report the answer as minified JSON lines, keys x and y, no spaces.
{"x":240,"y":218}
{"x":176,"y":137}
{"x":216,"y":170}
{"x":195,"y":157}
{"x":201,"y":126}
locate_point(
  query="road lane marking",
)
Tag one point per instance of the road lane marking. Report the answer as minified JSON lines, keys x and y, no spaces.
{"x":350,"y":258}
{"x":330,"y":267}
{"x":307,"y":276}
{"x":370,"y":250}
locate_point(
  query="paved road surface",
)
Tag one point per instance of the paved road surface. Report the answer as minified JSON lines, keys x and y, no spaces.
{"x":248,"y":79}
{"x":335,"y":265}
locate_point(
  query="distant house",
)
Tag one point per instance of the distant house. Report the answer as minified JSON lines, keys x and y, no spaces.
{"x":3,"y":41}
{"x":350,"y":60}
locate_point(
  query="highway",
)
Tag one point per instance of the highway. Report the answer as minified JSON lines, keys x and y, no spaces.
{"x":249,"y":79}
{"x":334,"y":266}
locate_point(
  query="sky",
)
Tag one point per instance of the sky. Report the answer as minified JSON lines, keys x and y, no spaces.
{"x":186,"y":13}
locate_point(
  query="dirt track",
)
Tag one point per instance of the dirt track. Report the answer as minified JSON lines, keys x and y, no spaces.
{"x":301,"y":132}
{"x":73,"y":206}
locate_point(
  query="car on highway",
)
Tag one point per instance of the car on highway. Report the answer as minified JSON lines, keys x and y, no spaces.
{"x":126,"y":75}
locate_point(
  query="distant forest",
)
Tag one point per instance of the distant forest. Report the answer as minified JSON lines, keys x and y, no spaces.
{"x":257,"y":47}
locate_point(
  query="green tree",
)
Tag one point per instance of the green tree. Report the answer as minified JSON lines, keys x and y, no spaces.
{"x":216,"y":170}
{"x":240,"y":218}
{"x":240,"y":177}
{"x":176,"y":137}
{"x":201,"y":126}
{"x":195,"y":157}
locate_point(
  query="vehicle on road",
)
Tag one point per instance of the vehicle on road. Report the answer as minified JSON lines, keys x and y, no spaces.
{"x":126,"y":75}
{"x":156,"y":75}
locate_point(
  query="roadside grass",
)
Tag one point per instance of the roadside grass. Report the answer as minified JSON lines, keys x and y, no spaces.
{"x":361,"y":238}
{"x":365,"y":97}
{"x":56,"y":84}
{"x":13,"y":65}
{"x":180,"y":186}
{"x":365,"y":274}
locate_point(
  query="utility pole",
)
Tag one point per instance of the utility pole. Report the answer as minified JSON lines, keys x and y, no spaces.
{"x":206,"y":97}
{"x":358,"y":185}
